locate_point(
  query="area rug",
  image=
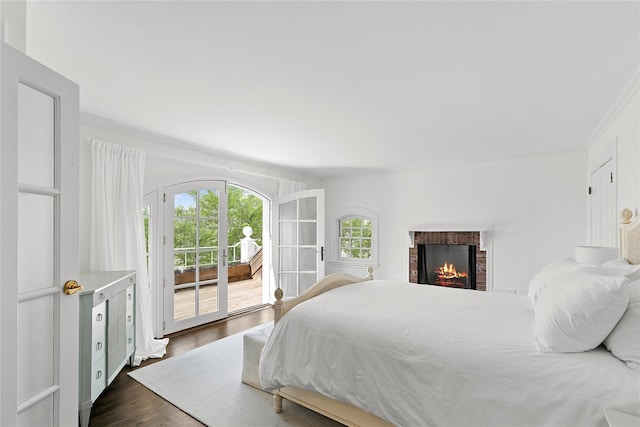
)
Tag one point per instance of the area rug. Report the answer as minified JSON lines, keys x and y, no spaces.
{"x":205,"y":383}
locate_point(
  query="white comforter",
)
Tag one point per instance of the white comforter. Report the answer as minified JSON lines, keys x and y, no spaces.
{"x":432,"y":356}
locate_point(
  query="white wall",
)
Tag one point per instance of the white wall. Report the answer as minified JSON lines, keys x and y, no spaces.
{"x":623,"y":126}
{"x":13,"y":23}
{"x":536,"y":205}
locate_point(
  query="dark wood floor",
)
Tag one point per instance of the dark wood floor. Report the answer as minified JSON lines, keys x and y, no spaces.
{"x":127,"y":403}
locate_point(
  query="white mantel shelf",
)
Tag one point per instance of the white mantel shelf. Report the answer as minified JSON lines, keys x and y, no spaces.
{"x":486,"y":232}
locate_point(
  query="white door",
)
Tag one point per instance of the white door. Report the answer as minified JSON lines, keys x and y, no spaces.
{"x":603,"y":219}
{"x":39,"y":244}
{"x":299,"y":241}
{"x":195,"y":260}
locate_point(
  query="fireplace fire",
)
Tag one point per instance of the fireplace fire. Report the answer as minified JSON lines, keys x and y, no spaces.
{"x":447,"y":265}
{"x":447,"y":273}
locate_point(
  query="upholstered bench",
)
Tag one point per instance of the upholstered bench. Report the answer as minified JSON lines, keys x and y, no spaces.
{"x":253,"y":343}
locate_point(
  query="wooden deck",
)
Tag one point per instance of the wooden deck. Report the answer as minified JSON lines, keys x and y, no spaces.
{"x":241,"y":295}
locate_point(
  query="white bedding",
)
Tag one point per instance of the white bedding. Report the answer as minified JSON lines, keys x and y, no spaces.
{"x":432,"y":356}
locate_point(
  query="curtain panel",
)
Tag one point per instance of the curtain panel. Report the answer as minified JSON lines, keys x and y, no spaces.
{"x":117,"y":231}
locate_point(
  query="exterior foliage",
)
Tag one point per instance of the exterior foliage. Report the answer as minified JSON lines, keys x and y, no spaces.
{"x":355,"y":238}
{"x":196,"y":223}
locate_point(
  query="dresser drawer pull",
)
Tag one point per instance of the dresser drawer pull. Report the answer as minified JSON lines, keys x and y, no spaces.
{"x":99,"y":317}
{"x":130,"y":296}
{"x":130,"y":279}
{"x":101,"y":296}
{"x":128,"y":319}
{"x":98,"y":375}
{"x":99,"y":346}
{"x":130,"y":340}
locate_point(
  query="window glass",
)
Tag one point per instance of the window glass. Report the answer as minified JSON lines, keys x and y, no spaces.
{"x":355,"y":237}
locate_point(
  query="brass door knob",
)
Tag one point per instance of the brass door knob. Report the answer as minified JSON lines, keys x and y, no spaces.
{"x":71,"y":287}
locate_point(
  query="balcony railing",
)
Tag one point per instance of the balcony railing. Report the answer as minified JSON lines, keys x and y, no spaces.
{"x":184,"y":258}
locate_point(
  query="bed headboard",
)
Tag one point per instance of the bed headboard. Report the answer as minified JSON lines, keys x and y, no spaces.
{"x":281,"y":306}
{"x":630,"y":237}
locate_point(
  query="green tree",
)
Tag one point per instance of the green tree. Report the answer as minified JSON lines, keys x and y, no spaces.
{"x":199,"y":209}
{"x":244,"y":209}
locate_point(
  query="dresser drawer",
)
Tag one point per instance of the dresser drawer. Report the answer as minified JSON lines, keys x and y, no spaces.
{"x":98,"y":377}
{"x":99,"y":318}
{"x":131,"y":340}
{"x":130,"y":310}
{"x":107,"y":292}
{"x":129,"y":319}
{"x":129,"y":297}
{"x":98,"y":346}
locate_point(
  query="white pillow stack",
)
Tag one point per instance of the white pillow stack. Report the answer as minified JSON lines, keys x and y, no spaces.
{"x":579,"y":306}
{"x":550,"y":272}
{"x":624,"y":341}
{"x":577,"y":310}
{"x":620,"y":267}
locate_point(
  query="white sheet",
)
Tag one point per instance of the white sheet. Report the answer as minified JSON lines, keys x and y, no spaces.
{"x":432,"y":356}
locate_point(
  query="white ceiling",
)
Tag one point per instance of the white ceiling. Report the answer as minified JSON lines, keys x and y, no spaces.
{"x":330,"y":86}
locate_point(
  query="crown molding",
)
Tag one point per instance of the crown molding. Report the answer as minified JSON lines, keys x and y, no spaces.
{"x":630,"y":89}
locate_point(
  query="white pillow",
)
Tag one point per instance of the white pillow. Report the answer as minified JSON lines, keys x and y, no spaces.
{"x":624,"y":340}
{"x":578,"y":310}
{"x":621,"y":267}
{"x":549,"y":272}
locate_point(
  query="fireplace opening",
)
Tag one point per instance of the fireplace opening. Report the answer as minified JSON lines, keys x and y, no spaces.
{"x":447,"y":265}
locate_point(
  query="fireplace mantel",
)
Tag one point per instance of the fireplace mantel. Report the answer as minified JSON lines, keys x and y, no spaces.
{"x":486,"y":232}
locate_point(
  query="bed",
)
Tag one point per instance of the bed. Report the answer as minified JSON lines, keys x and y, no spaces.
{"x":378,"y":352}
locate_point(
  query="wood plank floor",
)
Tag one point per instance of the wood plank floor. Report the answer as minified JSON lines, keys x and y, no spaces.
{"x":241,"y":294}
{"x":127,"y":403}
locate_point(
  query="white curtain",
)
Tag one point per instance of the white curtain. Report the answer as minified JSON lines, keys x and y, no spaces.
{"x":117,"y":230}
{"x":286,"y":186}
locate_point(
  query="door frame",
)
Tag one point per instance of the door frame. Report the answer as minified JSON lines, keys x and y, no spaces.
{"x":609,"y":153}
{"x":168,"y":268}
{"x":155,"y":274}
{"x":157,"y":264}
{"x":320,"y":234}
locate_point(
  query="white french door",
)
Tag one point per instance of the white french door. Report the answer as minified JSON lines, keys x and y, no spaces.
{"x":299,"y":241}
{"x":195,"y":260}
{"x":38,"y":243}
{"x":603,"y":218}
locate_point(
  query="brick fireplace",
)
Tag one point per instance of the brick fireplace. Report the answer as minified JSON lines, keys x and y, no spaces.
{"x":453,"y":238}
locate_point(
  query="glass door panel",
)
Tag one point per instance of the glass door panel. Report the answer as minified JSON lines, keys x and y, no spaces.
{"x":37,"y":292}
{"x":308,"y":208}
{"x":36,"y":137}
{"x":208,"y":298}
{"x":36,"y":243}
{"x":198,"y":278}
{"x":289,"y":283}
{"x":308,"y":259}
{"x":308,"y":233}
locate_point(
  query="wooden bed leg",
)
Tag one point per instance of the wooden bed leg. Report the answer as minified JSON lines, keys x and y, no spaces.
{"x":277,"y":402}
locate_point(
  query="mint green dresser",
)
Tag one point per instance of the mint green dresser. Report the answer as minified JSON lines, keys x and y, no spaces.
{"x":107,"y":332}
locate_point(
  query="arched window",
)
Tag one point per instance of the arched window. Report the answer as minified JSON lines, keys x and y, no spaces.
{"x":356,"y":238}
